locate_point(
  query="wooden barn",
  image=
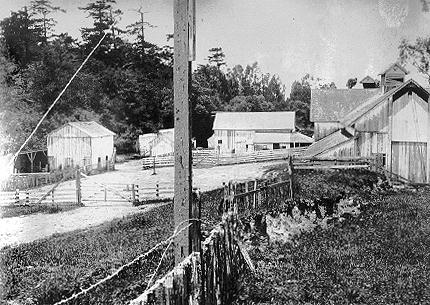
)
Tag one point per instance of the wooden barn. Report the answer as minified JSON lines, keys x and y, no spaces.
{"x":80,"y":143}
{"x":392,"y":121}
{"x":240,"y":132}
{"x":161,"y":143}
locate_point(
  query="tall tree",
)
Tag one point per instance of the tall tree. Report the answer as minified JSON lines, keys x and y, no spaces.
{"x":42,"y":9}
{"x":417,"y":53}
{"x":21,"y":36}
{"x":105,"y":18}
{"x":138,"y":28}
{"x":216,"y":57}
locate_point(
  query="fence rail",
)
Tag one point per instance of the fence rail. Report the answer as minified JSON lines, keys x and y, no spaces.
{"x":24,"y":181}
{"x":210,"y":158}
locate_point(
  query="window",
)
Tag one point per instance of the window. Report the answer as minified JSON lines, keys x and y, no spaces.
{"x":219,"y":141}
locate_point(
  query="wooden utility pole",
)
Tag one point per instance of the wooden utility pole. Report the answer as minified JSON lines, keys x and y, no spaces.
{"x":183,"y":201}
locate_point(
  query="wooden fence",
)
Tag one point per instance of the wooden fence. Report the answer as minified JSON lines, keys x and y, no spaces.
{"x":25,"y":181}
{"x":213,"y":275}
{"x":208,"y":277}
{"x":334,"y":163}
{"x":210,"y":158}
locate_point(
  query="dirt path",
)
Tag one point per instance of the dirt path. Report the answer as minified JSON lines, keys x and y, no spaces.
{"x":22,"y":229}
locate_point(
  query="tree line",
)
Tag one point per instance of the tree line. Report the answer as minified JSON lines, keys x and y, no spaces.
{"x":127,"y":83}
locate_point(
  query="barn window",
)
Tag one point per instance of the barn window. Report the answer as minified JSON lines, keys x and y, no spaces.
{"x":219,"y":141}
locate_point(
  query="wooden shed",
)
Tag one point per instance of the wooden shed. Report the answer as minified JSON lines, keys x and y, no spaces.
{"x":87,"y":144}
{"x":393,"y":123}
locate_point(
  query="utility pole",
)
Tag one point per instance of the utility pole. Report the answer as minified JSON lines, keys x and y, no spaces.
{"x":184,"y":33}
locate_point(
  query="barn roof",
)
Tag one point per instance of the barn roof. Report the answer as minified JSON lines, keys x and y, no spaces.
{"x":276,"y":137}
{"x":367,"y":80}
{"x":392,"y":66}
{"x":331,"y":105}
{"x":328,"y":142}
{"x":375,"y":100}
{"x":91,"y":128}
{"x":254,"y":120}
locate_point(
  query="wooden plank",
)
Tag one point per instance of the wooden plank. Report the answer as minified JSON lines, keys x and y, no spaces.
{"x":182,"y":125}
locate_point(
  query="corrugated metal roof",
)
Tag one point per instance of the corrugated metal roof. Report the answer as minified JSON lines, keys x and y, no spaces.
{"x":93,"y":129}
{"x":254,"y":120}
{"x":336,"y":138}
{"x":331,"y":105}
{"x":392,"y":65}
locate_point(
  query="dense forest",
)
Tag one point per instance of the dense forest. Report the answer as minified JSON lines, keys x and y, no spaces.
{"x":126,"y":85}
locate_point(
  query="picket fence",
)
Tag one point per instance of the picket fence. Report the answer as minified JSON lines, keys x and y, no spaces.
{"x":210,"y":158}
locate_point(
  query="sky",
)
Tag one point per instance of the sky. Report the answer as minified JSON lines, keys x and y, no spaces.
{"x":330,"y":39}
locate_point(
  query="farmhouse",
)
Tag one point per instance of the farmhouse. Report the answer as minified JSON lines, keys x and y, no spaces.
{"x":391,"y":121}
{"x":80,"y":143}
{"x":239,"y":132}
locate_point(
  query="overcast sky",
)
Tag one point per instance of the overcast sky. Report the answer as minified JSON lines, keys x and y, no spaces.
{"x":330,"y":39}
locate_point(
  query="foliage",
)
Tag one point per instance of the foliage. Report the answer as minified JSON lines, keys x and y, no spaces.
{"x":417,"y":54}
{"x":20,"y":210}
{"x":379,"y":257}
{"x":217,"y":57}
{"x":351,"y":83}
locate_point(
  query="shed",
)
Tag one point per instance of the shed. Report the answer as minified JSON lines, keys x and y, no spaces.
{"x":80,"y":143}
{"x":159,"y":143}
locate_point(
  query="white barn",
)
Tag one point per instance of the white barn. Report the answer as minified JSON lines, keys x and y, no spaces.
{"x":80,"y":143}
{"x":157,"y":144}
{"x":240,"y":132}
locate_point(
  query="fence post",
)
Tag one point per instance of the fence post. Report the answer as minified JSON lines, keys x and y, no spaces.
{"x":27,"y":198}
{"x":157,"y":190}
{"x":195,"y":228}
{"x":105,"y":193}
{"x":291,"y":173}
{"x":133,"y":194}
{"x":136,"y":192}
{"x":78,"y":186}
{"x":254,"y":197}
{"x":52,"y":197}
{"x":17,"y":196}
{"x":225,"y":198}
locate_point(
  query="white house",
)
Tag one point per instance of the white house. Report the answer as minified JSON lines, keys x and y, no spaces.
{"x":248,"y":131}
{"x":80,"y":143}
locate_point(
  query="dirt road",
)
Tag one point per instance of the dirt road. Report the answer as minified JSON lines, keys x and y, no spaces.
{"x":22,"y":229}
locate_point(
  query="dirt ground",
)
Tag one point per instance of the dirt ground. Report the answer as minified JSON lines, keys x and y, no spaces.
{"x":16,"y":230}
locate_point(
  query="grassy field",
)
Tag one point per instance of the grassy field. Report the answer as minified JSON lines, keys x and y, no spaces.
{"x":21,"y":210}
{"x":381,"y":257}
{"x":51,"y":269}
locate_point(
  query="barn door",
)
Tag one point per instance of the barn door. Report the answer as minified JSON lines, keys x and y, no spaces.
{"x":409,"y":160}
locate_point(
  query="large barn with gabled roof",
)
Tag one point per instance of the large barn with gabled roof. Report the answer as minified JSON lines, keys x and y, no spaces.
{"x":87,"y":144}
{"x":392,"y":121}
{"x":240,"y":132}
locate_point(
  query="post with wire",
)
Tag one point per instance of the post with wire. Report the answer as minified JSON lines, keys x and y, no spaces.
{"x":184,"y":54}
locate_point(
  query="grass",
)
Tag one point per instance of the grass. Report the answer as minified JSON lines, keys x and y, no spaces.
{"x":21,"y":210}
{"x":381,"y":257}
{"x":51,"y":269}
